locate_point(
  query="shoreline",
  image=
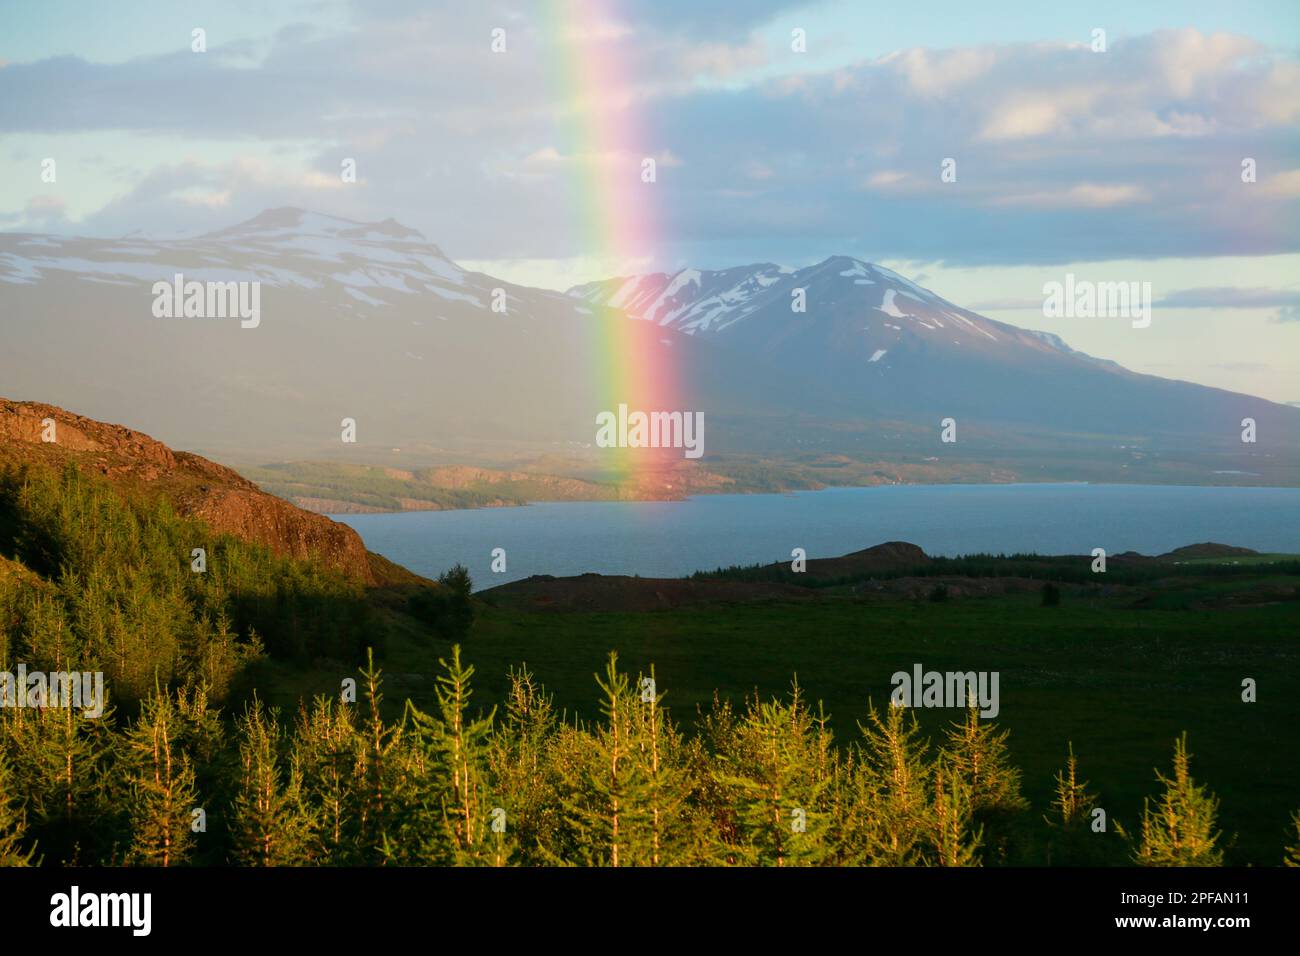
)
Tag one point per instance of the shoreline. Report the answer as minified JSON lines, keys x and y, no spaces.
{"x":364,"y":510}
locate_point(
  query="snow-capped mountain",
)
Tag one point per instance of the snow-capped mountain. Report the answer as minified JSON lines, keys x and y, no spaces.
{"x":372,"y":321}
{"x":900,"y":351}
{"x":363,"y":320}
{"x":353,"y":262}
{"x":748,"y":305}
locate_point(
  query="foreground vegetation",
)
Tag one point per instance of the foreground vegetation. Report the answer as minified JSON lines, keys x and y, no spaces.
{"x":761,"y":785}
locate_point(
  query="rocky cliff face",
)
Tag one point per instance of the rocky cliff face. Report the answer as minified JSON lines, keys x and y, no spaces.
{"x":196,"y":486}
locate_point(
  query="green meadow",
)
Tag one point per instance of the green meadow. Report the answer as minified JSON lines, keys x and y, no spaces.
{"x":1119,"y":682}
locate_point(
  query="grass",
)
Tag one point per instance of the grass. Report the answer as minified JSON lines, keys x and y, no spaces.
{"x":1119,"y":682}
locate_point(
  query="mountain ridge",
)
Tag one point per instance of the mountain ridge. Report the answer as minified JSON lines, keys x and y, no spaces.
{"x":438,"y":364}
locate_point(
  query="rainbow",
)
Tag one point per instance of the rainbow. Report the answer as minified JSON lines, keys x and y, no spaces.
{"x":604,"y":141}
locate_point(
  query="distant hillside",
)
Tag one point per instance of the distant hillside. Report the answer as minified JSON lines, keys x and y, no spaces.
{"x":340,"y":488}
{"x":195,"y":487}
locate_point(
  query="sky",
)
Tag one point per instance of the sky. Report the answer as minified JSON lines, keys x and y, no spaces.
{"x":780,"y":131}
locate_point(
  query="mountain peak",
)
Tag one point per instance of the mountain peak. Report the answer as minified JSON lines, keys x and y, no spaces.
{"x":696,"y":300}
{"x":291,"y":220}
{"x":286,"y":246}
{"x":843,"y":261}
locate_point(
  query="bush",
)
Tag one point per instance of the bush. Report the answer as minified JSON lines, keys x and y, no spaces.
{"x":449,"y":609}
{"x":1051,"y":595}
{"x":940,"y":593}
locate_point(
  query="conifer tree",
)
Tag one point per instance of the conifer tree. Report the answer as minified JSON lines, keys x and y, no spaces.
{"x":160,"y":778}
{"x":1073,"y":802}
{"x":893,"y":787}
{"x":270,"y":821}
{"x":380,"y":775}
{"x":776,"y":785}
{"x":667,"y":819}
{"x":375,"y":735}
{"x":520,"y":765}
{"x":60,"y":761}
{"x":459,"y":610}
{"x":954,"y":835}
{"x":1078,"y":833}
{"x":451,"y":792}
{"x":623,"y":784}
{"x":1292,"y":857}
{"x":977,"y":751}
{"x":718,"y":735}
{"x":1180,"y":831}
{"x":13,"y":820}
{"x":601,"y":781}
{"x":328,"y":750}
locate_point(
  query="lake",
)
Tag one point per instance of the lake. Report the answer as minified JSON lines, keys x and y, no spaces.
{"x":674,"y":538}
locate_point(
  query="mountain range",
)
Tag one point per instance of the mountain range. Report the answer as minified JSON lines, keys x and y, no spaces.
{"x":371,"y":321}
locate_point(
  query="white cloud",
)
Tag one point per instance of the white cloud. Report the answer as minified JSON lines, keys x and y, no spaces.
{"x":1283,"y":185}
{"x":1022,"y":116}
{"x":931,"y":73}
{"x":886,"y":178}
{"x":1080,"y":196}
{"x":1188,"y":57}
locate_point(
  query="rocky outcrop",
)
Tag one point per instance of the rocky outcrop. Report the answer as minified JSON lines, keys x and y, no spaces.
{"x":197,"y":487}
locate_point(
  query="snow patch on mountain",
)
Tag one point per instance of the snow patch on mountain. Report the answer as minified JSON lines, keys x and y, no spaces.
{"x":683,"y":278}
{"x":310,"y":251}
{"x":888,"y":307}
{"x":695,"y":301}
{"x":619,"y":299}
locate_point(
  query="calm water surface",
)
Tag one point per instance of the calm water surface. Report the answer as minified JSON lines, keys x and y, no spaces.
{"x":664,"y":539}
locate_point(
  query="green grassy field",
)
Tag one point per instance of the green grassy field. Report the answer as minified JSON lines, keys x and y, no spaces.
{"x":1119,"y":682}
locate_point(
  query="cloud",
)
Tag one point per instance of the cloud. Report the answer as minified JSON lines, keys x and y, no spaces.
{"x":1028,"y":116}
{"x":937,"y":73}
{"x":1230,"y":297}
{"x":193,"y":197}
{"x":886,"y":178}
{"x":43,"y":213}
{"x":707,"y":18}
{"x":1063,"y":155}
{"x":1187,"y":58}
{"x":724,"y":59}
{"x":1286,"y":301}
{"x":1081,"y":196}
{"x":1285,"y":185}
{"x":995,"y":305}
